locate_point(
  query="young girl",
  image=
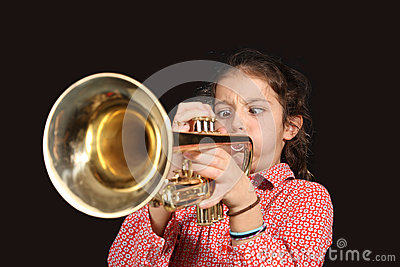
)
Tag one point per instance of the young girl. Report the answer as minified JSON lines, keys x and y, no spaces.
{"x":275,"y":216}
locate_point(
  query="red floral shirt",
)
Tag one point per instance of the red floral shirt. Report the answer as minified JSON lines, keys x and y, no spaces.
{"x":298,"y":215}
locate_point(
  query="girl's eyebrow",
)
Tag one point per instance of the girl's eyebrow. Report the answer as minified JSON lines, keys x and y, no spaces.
{"x":249,"y":101}
{"x":219,"y":102}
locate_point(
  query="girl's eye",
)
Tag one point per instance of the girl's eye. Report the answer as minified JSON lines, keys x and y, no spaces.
{"x":256,"y":111}
{"x":224,"y":114}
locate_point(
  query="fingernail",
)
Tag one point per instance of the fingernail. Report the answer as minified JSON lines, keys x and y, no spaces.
{"x":191,"y":153}
{"x":202,"y":205}
{"x":188,"y":153}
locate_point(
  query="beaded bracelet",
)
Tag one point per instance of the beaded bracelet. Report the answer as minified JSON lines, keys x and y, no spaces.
{"x":247,"y":234}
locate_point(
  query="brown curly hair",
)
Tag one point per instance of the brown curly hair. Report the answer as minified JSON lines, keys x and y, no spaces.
{"x":293,"y":90}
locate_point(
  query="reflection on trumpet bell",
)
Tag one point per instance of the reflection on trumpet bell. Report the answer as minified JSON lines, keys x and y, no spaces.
{"x":104,"y":146}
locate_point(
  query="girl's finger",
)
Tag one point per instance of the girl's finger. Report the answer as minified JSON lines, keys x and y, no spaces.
{"x":189,"y":114}
{"x":209,"y":154}
{"x":208,"y":203}
{"x":219,"y":192}
{"x":184,"y":107}
{"x":219,"y":152}
{"x":207,"y":159}
{"x":189,"y":110}
{"x":206,"y":171}
{"x":182,"y":128}
{"x":210,"y":110}
{"x":215,"y":174}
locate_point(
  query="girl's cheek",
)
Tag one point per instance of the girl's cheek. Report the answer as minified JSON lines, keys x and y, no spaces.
{"x":255,"y":131}
{"x":256,"y":137}
{"x":262,"y":137}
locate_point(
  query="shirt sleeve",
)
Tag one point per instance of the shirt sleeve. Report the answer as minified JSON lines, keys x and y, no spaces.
{"x":301,"y":239}
{"x":137,"y":245}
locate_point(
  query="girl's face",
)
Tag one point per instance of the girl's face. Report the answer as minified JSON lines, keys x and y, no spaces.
{"x":248,"y":105}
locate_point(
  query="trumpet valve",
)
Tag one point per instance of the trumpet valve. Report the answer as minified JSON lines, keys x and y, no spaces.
{"x":203,"y":124}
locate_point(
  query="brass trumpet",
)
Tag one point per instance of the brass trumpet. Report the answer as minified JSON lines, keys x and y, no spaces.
{"x":108,"y":145}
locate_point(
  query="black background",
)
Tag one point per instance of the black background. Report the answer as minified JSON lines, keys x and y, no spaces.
{"x":349,"y":53}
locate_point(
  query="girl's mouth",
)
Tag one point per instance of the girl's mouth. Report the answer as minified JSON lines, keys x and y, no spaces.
{"x":237,"y":147}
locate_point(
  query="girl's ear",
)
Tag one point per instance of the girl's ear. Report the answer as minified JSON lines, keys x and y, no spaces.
{"x":292,"y":127}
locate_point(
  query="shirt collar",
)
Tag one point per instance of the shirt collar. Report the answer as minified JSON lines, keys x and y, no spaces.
{"x":272,"y":177}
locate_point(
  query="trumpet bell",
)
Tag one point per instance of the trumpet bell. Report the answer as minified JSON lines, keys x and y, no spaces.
{"x":106,"y":145}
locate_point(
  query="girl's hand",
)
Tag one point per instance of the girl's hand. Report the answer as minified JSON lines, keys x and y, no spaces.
{"x":187,"y":111}
{"x":232,"y":186}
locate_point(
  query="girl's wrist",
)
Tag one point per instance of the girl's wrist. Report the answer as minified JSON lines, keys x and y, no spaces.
{"x":241,"y":196}
{"x":250,"y":220}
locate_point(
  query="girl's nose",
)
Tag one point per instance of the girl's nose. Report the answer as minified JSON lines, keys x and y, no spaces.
{"x":237,"y":124}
